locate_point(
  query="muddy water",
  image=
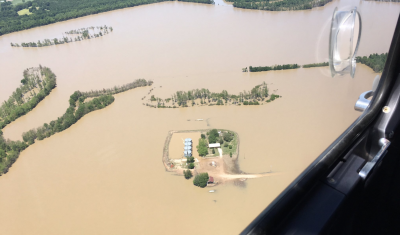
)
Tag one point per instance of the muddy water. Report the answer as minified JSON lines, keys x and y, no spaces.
{"x":104,"y":175}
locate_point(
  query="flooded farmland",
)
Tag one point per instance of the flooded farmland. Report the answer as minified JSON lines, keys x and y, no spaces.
{"x":104,"y":175}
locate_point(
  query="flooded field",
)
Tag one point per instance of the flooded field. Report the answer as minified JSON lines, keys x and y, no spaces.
{"x":104,"y":175}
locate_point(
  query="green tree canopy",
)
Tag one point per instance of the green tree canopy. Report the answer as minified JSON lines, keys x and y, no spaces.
{"x":202,"y":148}
{"x":201,"y":180}
{"x":2,"y":153}
{"x":228,"y":137}
{"x":188,"y":174}
{"x":212,"y":139}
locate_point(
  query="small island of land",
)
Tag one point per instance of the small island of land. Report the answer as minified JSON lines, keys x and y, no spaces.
{"x":258,"y":95}
{"x":213,"y":159}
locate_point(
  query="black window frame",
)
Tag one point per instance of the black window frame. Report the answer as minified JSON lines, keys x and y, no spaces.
{"x":283,"y":205}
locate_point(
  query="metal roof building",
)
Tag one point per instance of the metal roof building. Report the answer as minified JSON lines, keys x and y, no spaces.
{"x":188,"y":147}
{"x":187,"y":153}
{"x":216,"y":145}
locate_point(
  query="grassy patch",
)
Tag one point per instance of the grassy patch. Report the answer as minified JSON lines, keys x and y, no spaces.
{"x":226,"y":150}
{"x":24,"y":12}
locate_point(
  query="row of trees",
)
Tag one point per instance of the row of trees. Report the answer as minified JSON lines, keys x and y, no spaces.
{"x":190,"y":162}
{"x":316,"y":65}
{"x":251,"y":103}
{"x":25,"y":98}
{"x":83,"y":34}
{"x":283,"y":67}
{"x":51,"y":11}
{"x":199,"y":1}
{"x":71,"y":116}
{"x":85,"y":31}
{"x":184,"y":98}
{"x":283,"y":5}
{"x":118,"y":89}
{"x":78,"y":108}
{"x":9,"y":150}
{"x":276,"y":67}
{"x":374,"y":61}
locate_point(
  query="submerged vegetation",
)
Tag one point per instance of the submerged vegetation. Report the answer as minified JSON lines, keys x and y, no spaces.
{"x":283,"y":67}
{"x":282,"y":5}
{"x":323,"y":64}
{"x":256,"y":96}
{"x":36,"y":85}
{"x":187,"y":174}
{"x":374,"y":61}
{"x":276,"y":67}
{"x":79,"y":35}
{"x":199,"y":1}
{"x":80,"y":104}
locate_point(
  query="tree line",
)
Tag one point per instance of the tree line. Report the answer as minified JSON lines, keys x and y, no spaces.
{"x":284,"y":5}
{"x":283,"y":67}
{"x":82,"y":34}
{"x":199,"y":1}
{"x":374,"y":61}
{"x":257,"y":94}
{"x":276,"y":67}
{"x":46,"y":12}
{"x":36,"y":85}
{"x":118,"y":89}
{"x":78,"y":108}
{"x":10,"y":150}
{"x":316,"y":65}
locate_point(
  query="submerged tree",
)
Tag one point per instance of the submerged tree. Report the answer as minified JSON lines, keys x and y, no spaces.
{"x":187,"y":174}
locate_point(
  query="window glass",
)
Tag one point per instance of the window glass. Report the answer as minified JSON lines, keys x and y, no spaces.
{"x":96,"y":109}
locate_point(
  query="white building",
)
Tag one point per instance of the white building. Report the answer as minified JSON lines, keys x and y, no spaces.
{"x":216,"y":145}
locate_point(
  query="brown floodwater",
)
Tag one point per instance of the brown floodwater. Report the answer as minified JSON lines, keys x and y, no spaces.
{"x":104,"y":175}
